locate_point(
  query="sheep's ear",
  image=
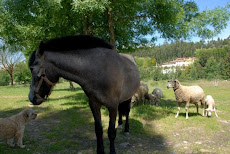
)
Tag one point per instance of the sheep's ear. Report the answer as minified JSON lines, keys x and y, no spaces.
{"x":175,"y":82}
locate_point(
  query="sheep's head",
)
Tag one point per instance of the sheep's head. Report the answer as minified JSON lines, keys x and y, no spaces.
{"x":209,"y":112}
{"x":173,"y":83}
{"x":134,"y":99}
{"x":152,"y":98}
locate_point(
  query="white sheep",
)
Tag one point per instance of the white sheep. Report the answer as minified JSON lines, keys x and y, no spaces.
{"x":141,"y":95}
{"x":187,"y":95}
{"x":210,"y":106}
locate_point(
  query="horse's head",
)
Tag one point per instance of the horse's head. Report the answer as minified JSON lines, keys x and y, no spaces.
{"x":41,"y":86}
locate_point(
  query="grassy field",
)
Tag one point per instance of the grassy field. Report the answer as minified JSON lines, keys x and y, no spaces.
{"x":65,"y":123}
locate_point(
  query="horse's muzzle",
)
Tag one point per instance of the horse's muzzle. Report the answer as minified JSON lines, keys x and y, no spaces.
{"x":33,"y":99}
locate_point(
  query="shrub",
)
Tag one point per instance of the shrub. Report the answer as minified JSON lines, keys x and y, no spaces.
{"x":22,"y":73}
{"x":4,"y":78}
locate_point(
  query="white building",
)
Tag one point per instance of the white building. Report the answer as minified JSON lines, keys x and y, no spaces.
{"x":170,"y":66}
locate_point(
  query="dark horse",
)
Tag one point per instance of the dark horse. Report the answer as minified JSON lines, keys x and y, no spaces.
{"x":107,"y":78}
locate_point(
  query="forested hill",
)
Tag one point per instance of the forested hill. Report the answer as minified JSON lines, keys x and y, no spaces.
{"x":178,"y":49}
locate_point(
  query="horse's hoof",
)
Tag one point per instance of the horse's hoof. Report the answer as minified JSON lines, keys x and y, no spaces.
{"x":119,"y":128}
{"x":126,"y":134}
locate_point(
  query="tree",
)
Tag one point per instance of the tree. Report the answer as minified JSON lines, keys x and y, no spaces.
{"x":227,"y":65}
{"x":22,"y":73}
{"x":8,"y":60}
{"x":211,"y":69}
{"x":23,"y":23}
{"x":4,"y":78}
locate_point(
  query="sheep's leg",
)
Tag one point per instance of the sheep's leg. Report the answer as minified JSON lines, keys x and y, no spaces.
{"x":186,"y":108}
{"x":205,"y":112}
{"x":215,"y":111}
{"x":197,"y":109}
{"x":203,"y":106}
{"x":10,"y":142}
{"x":143,"y":100}
{"x":178,"y":111}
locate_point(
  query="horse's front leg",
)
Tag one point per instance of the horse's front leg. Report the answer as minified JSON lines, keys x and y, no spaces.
{"x":111,"y":129}
{"x":96,"y":110}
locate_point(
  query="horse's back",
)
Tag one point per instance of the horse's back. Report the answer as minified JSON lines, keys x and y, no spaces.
{"x":106,"y":75}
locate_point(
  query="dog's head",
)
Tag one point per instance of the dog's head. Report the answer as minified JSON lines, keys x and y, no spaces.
{"x":29,"y":114}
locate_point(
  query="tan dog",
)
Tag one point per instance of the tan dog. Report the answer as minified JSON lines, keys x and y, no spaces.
{"x":14,"y":126}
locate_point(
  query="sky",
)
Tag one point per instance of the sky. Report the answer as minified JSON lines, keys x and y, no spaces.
{"x":208,"y":4}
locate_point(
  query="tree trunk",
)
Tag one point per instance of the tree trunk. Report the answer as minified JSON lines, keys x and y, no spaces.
{"x":90,"y":24}
{"x":71,"y":85}
{"x":87,"y":24}
{"x":11,"y":79}
{"x":111,"y":26}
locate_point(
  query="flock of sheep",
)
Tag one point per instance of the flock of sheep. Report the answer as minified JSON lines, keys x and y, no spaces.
{"x":183,"y":94}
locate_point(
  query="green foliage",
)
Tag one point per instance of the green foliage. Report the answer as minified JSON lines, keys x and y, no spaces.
{"x":227,"y":65}
{"x":212,"y":69}
{"x":22,"y":73}
{"x":4,"y":78}
{"x":23,"y":23}
{"x":219,"y":50}
{"x":89,"y":6}
{"x":145,"y":62}
{"x":205,"y":54}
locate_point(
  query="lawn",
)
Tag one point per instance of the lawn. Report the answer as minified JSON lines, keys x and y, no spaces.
{"x":65,"y":123}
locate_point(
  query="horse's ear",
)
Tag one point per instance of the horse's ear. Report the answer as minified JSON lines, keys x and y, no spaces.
{"x":40,"y":51}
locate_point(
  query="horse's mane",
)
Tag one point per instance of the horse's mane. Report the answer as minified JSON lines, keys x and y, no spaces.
{"x":32,"y":58}
{"x":69,"y":43}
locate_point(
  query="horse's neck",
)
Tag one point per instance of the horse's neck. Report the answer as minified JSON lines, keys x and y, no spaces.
{"x":66,"y":65}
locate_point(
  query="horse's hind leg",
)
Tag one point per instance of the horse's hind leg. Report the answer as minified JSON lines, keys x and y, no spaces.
{"x":127,"y":117}
{"x":124,"y":109}
{"x":112,"y":130}
{"x":96,"y":110}
{"x":120,"y":122}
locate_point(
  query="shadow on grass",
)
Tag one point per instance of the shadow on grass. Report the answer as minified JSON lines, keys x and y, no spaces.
{"x":68,"y":89}
{"x":9,"y":113}
{"x":172,"y":105}
{"x":71,"y":130}
{"x":141,"y":140}
{"x":152,"y":112}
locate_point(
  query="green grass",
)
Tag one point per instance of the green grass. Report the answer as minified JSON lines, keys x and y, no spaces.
{"x":65,"y":123}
